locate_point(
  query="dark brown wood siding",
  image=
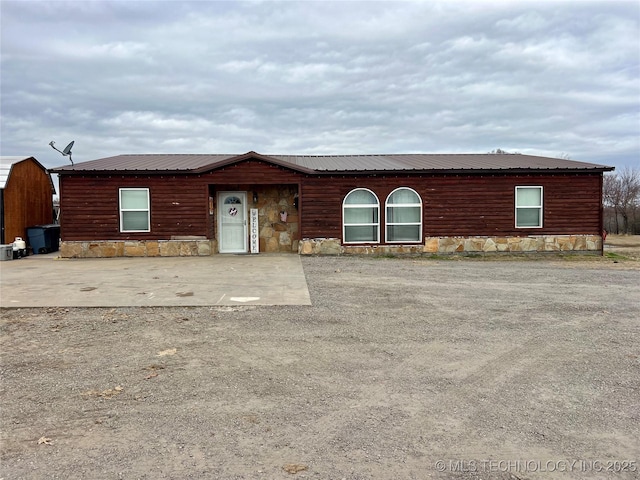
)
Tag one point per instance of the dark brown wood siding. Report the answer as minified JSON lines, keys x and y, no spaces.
{"x":90,"y":206}
{"x":28,"y":199}
{"x":453,"y":205}
{"x":179,"y":203}
{"x":462,"y":205}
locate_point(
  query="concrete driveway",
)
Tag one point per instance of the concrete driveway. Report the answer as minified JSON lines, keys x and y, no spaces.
{"x":50,"y":281}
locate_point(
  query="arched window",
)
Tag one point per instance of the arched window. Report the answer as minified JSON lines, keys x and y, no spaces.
{"x":361,"y":217}
{"x":404,"y":216}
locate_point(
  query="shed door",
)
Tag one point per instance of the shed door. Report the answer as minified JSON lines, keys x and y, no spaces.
{"x":232,"y":222}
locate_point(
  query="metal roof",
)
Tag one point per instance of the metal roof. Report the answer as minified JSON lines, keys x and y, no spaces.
{"x":482,"y":161}
{"x":147,"y":162}
{"x":199,"y":163}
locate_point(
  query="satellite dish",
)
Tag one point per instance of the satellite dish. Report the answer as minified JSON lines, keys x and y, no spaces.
{"x":67,"y":150}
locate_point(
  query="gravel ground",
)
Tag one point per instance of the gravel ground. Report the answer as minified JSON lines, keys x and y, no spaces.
{"x":402,"y":368}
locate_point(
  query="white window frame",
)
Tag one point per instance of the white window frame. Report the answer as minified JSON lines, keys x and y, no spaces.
{"x":124,"y":210}
{"x":529,"y":207}
{"x":402,"y":205}
{"x":356,"y":205}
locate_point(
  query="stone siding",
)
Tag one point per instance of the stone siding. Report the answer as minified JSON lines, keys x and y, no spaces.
{"x":459,"y":245}
{"x":277,"y":232}
{"x":333,"y":246}
{"x":138,"y":248}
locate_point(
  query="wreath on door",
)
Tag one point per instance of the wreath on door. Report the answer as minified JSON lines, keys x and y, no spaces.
{"x":233,"y":211}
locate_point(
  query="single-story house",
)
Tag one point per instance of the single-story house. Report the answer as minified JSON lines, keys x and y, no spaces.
{"x":167,"y":205}
{"x":26,"y":196}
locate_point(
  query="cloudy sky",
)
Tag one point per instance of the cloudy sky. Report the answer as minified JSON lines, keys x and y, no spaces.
{"x":544,"y":78}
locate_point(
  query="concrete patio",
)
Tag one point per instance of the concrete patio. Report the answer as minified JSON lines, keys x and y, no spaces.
{"x":50,"y":281}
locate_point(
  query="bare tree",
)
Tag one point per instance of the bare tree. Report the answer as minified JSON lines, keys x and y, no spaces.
{"x":621,"y":192}
{"x":611,"y":200}
{"x":503,"y":152}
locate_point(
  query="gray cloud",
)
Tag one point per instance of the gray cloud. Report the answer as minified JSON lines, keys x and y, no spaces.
{"x":544,"y":78}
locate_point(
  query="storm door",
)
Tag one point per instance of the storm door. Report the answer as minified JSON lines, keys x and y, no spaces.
{"x":232,"y":222}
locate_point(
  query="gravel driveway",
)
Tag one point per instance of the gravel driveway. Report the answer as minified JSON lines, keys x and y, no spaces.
{"x":401,"y":368}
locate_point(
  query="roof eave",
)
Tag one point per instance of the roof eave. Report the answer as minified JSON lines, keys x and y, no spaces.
{"x":64,"y":171}
{"x":432,"y":171}
{"x":465,"y":171}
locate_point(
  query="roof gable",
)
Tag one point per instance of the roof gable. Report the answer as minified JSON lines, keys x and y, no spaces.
{"x":7,"y":163}
{"x":254,"y":156}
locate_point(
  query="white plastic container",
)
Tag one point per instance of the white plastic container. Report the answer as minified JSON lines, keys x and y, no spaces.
{"x":19,"y":244}
{"x":19,"y":248}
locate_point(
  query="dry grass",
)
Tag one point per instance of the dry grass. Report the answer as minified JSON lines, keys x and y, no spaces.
{"x":623,"y":240}
{"x":626,"y":245}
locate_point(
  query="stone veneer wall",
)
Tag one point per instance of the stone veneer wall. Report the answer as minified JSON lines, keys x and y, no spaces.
{"x":460,"y":245}
{"x":138,"y":248}
{"x":275,"y":234}
{"x":333,"y":246}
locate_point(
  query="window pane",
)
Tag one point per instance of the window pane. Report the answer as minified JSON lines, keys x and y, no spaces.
{"x":361,"y":234}
{"x":528,"y":217}
{"x":135,"y":221}
{"x":403,"y":233}
{"x":360,"y":215}
{"x":529,"y":197}
{"x":404,"y":196}
{"x":361,"y":197}
{"x":134,"y":199}
{"x":403,"y":214}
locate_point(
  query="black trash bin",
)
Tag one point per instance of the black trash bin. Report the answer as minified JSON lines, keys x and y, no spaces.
{"x":44,"y":238}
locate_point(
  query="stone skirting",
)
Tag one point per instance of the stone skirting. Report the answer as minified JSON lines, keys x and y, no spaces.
{"x":138,"y":248}
{"x":542,"y":243}
{"x":333,"y":246}
{"x":459,"y":245}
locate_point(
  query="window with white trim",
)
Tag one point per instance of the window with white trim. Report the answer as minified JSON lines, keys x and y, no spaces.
{"x":528,"y":207}
{"x":403,"y":216}
{"x":361,"y":217}
{"x":134,"y":210}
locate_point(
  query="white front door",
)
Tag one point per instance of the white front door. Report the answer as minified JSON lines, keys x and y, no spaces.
{"x":232,"y":222}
